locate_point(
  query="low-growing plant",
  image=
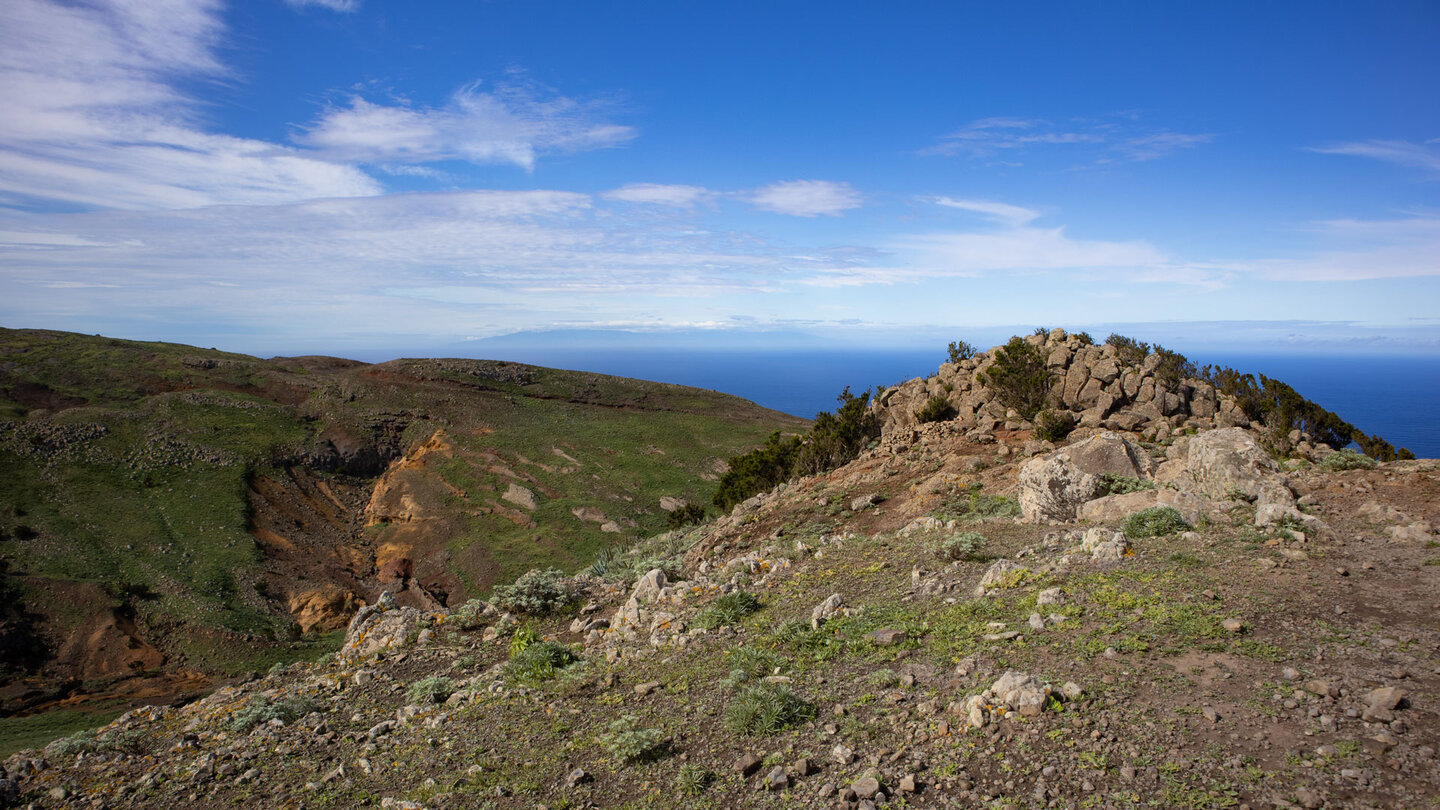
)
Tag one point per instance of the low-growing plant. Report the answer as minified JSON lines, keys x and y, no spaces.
{"x":524,"y":636}
{"x":974,"y":506}
{"x":539,"y":662}
{"x":1156,"y":521}
{"x":1113,"y":484}
{"x":1054,"y":426}
{"x":468,"y":616}
{"x":1342,"y":460}
{"x":749,"y":663}
{"x":727,"y":609}
{"x":883,"y":678}
{"x":765,"y":709}
{"x":260,"y":709}
{"x":798,"y":634}
{"x":628,"y":742}
{"x":962,"y":546}
{"x":535,"y":592}
{"x":434,"y":689}
{"x":692,"y":780}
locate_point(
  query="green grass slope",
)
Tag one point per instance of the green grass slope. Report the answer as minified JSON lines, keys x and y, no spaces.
{"x":160,"y":503}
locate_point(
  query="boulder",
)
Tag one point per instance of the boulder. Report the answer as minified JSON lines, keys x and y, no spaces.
{"x":324,"y":609}
{"x":1054,"y":485}
{"x":1220,"y":462}
{"x":832,"y":605}
{"x":380,"y":627}
{"x":1000,"y":574}
{"x":1115,"y":508}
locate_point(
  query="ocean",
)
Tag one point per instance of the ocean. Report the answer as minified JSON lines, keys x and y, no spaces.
{"x":1395,"y":396}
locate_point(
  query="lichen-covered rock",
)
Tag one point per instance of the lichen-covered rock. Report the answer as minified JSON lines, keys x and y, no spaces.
{"x":1000,"y":575}
{"x":1218,"y":463}
{"x":1053,"y":486}
{"x":380,"y":627}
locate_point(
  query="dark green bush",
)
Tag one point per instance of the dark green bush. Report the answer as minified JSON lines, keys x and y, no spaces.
{"x":1131,"y":352}
{"x":1054,"y":426}
{"x":686,"y":515}
{"x":1112,"y":484}
{"x":1019,"y":377}
{"x":960,"y":351}
{"x":628,"y":742}
{"x":833,"y":440}
{"x":962,"y":546}
{"x":937,"y":409}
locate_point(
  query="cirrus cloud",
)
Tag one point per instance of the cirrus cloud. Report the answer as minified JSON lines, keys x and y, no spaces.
{"x":806,"y":198}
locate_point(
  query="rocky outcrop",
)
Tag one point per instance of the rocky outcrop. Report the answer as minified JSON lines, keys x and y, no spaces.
{"x":1092,"y":381}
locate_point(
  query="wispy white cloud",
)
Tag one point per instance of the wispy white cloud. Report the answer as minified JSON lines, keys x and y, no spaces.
{"x":1106,"y":141}
{"x":333,"y":5}
{"x":1003,"y":213}
{"x":1362,"y":250}
{"x":512,"y":123}
{"x":93,"y":116}
{"x":659,"y":194}
{"x":1404,"y":153}
{"x":806,"y":198}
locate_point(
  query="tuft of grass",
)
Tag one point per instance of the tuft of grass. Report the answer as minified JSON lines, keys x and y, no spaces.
{"x":766,"y":708}
{"x":1157,"y":521}
{"x":692,"y":780}
{"x":726,"y":610}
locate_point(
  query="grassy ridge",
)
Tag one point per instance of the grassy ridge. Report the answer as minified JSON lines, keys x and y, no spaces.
{"x":125,"y":472}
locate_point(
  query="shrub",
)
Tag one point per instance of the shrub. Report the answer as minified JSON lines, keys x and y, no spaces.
{"x":434,"y":689}
{"x":765,"y":709}
{"x":468,"y":616}
{"x":260,"y":710}
{"x":883,"y":678}
{"x":1156,"y":521}
{"x":628,"y":742}
{"x":727,"y":609}
{"x":976,"y":506}
{"x":1084,"y":338}
{"x":1341,"y":460}
{"x":962,"y":546}
{"x":1174,"y":368}
{"x":960,"y":351}
{"x":937,"y":409}
{"x":1019,"y":377}
{"x":1131,"y":352}
{"x":686,"y":515}
{"x":1054,"y":426}
{"x":535,"y":592}
{"x":1112,"y":484}
{"x":538,"y":662}
{"x":692,"y":780}
{"x":833,"y":440}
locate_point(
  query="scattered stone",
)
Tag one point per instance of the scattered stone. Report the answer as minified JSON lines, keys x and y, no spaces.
{"x":643,"y":689}
{"x":747,"y":764}
{"x":887,"y":636}
{"x":866,"y":787}
{"x":777,"y":779}
{"x":1210,"y":714}
{"x":842,"y":754}
{"x":1233,"y":626}
{"x":822,"y":612}
{"x":578,"y":777}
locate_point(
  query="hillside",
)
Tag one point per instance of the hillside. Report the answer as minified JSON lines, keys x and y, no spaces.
{"x":169,"y":514}
{"x":1177,"y":613}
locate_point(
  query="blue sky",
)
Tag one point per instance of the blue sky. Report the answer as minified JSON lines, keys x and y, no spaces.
{"x":373,"y":178}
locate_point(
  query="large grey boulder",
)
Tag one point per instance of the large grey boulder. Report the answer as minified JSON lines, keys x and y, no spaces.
{"x":1114,"y":508}
{"x":1053,"y":486}
{"x":1219,"y":463}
